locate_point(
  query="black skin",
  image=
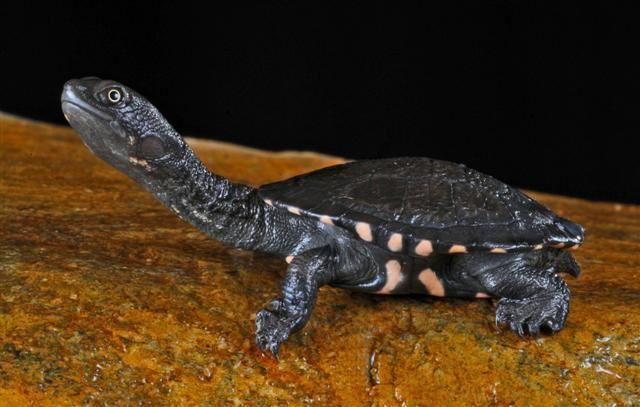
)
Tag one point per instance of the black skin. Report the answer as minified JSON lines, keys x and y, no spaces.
{"x":125,"y":130}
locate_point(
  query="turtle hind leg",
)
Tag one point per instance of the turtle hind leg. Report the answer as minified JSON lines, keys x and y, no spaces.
{"x":546,"y":310}
{"x":533,"y":298}
{"x":289,"y":313}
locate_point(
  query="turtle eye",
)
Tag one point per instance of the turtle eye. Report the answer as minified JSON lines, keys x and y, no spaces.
{"x":114,"y":95}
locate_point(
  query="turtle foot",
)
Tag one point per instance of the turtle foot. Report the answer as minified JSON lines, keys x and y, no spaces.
{"x":546,"y":312}
{"x":273,"y":327}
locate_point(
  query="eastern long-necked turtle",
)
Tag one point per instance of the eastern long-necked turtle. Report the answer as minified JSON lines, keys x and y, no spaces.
{"x":389,"y":226}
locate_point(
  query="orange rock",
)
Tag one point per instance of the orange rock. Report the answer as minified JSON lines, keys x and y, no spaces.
{"x":106,"y":297}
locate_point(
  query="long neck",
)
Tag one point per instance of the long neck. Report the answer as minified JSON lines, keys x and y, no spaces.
{"x":226,"y":211}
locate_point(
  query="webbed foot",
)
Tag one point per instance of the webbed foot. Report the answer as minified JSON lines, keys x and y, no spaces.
{"x":273,"y":326}
{"x":546,"y":311}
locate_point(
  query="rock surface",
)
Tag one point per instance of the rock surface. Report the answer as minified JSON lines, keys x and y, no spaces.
{"x":107,"y":298}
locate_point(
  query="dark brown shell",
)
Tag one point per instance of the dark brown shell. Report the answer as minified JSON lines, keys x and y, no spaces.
{"x":422,"y":205}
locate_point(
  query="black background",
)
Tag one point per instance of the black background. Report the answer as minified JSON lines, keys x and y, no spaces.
{"x":539,"y":95}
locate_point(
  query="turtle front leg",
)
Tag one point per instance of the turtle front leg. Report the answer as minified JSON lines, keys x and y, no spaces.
{"x":289,"y":313}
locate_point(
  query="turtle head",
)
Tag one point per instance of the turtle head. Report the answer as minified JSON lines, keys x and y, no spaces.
{"x":121,"y":127}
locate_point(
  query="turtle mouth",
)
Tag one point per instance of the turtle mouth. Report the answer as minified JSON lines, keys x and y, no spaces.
{"x":85,"y":107}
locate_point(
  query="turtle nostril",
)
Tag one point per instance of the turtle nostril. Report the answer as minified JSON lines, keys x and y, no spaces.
{"x":73,"y":85}
{"x":88,"y":82}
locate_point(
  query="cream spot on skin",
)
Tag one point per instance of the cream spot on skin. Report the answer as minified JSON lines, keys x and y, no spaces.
{"x":294,"y":210}
{"x":482,"y":295}
{"x":364,"y":231}
{"x":457,"y":248}
{"x":558,"y":245}
{"x":289,"y":259}
{"x":395,"y":242}
{"x":431,"y":282}
{"x":498,"y":250}
{"x":538,"y":247}
{"x":268,"y":202}
{"x":394,"y":276}
{"x":424,"y":248}
{"x":326,"y":219}
{"x":201,"y":216}
{"x":141,"y":163}
{"x":576,"y":247}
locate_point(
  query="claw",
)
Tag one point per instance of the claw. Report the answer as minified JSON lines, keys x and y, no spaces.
{"x":553,"y":326}
{"x":267,"y":346}
{"x":274,"y":348}
{"x":534,"y":329}
{"x":517,"y":328}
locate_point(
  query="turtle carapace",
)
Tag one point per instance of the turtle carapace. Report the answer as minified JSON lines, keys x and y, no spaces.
{"x":390,"y":226}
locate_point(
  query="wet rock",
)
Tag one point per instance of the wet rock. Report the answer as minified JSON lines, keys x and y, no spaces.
{"x":107,"y":298}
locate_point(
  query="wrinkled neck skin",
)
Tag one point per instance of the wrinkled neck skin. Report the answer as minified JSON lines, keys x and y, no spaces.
{"x":229,"y":212}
